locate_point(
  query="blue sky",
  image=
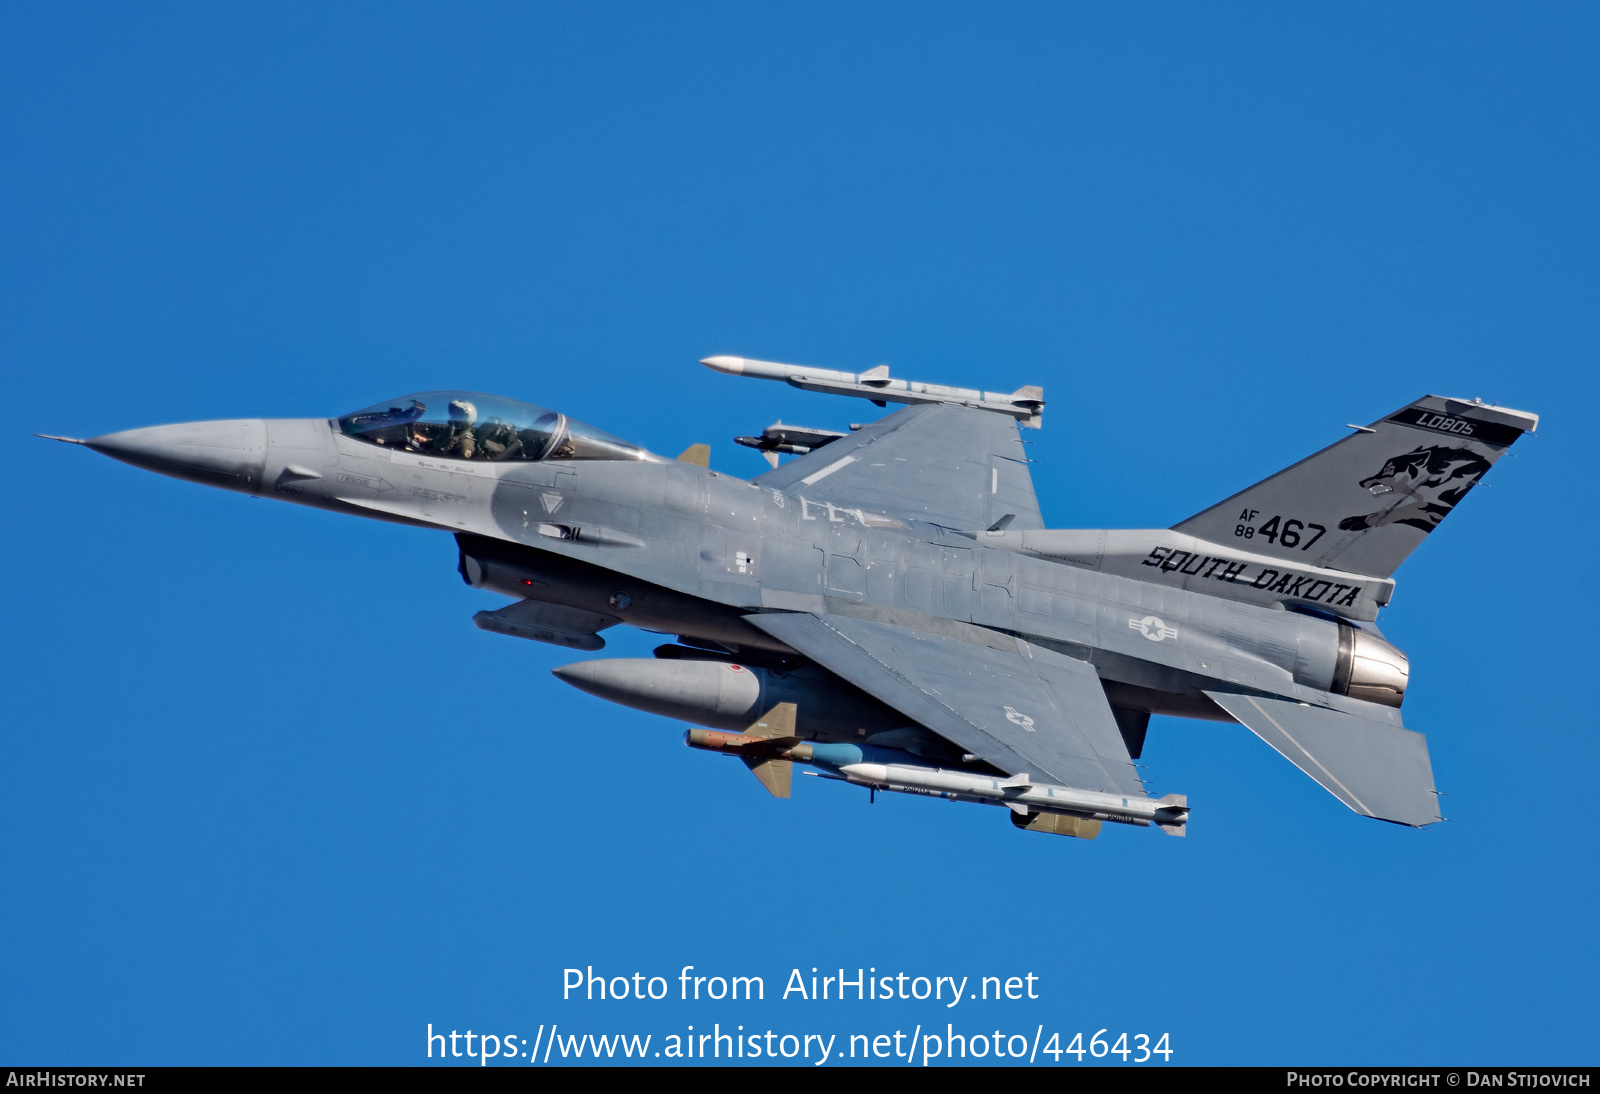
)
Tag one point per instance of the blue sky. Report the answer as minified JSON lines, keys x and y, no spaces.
{"x":271,"y":798}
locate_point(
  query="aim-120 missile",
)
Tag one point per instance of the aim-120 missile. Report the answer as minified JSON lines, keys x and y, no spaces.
{"x":1026,"y":404}
{"x":1034,"y":805}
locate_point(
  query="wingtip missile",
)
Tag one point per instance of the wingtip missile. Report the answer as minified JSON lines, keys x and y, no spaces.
{"x":1026,"y":404}
{"x":775,"y":370}
{"x":733,"y":366}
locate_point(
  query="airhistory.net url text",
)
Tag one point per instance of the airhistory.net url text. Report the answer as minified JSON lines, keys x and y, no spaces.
{"x":816,"y":1049}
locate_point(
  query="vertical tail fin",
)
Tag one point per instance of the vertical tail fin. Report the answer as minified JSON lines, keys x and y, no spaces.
{"x":1364,"y":504}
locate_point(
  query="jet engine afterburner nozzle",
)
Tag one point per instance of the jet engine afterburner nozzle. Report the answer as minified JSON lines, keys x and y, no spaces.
{"x":1369,"y":668}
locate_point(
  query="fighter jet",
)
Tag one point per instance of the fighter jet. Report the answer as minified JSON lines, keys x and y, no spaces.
{"x":888,"y":609}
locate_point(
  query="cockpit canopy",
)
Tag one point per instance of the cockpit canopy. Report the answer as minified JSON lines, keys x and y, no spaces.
{"x":467,"y":425}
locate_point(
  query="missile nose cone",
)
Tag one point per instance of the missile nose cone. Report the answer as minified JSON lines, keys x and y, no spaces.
{"x":733,"y":366}
{"x":229,"y":454}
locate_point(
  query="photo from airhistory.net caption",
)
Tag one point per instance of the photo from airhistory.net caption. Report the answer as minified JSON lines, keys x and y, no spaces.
{"x":962,"y":1019}
{"x":958,"y":1018}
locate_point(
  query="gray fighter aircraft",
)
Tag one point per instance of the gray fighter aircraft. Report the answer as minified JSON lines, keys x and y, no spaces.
{"x":889,"y":609}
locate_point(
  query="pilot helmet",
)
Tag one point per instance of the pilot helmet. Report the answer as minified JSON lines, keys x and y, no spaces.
{"x":463,"y":411}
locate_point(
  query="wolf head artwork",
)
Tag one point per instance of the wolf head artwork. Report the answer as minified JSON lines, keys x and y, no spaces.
{"x":1432,"y":481}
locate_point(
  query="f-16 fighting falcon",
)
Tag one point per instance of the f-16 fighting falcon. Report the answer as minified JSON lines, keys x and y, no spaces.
{"x":888,"y":608}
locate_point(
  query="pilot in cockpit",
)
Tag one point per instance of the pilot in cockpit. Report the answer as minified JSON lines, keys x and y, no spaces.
{"x":459,"y":439}
{"x":498,"y":440}
{"x":468,"y":426}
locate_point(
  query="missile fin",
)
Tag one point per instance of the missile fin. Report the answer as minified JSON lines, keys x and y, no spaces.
{"x":777,"y":722}
{"x":756,"y":747}
{"x":1058,"y":824}
{"x":1175,"y":825}
{"x":775,"y":775}
{"x":697,"y":454}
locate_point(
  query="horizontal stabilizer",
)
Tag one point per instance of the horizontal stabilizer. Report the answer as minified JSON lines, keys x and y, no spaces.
{"x":1374,"y":765}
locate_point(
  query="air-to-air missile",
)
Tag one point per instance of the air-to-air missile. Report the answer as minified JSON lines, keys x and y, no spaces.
{"x":770,"y":745}
{"x":1026,"y":404}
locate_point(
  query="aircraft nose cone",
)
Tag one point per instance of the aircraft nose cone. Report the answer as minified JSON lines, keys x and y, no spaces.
{"x":229,"y":454}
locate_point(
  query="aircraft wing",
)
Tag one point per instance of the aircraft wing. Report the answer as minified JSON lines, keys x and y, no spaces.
{"x":948,"y":465}
{"x":1378,"y":768}
{"x":1022,"y":709}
